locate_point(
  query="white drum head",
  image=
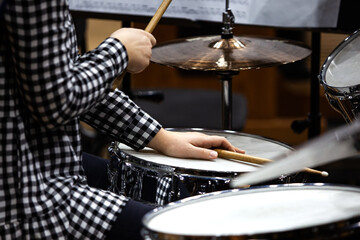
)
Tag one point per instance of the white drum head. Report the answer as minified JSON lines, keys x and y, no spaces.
{"x":253,"y":145}
{"x":256,"y":211}
{"x":343,"y":64}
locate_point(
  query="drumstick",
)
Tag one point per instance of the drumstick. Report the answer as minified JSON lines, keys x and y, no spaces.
{"x":257,"y":160}
{"x":157,"y":16}
{"x":149,"y":28}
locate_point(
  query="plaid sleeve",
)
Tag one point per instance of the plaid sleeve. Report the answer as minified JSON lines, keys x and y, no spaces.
{"x":54,"y":82}
{"x":163,"y":189}
{"x":120,"y":118}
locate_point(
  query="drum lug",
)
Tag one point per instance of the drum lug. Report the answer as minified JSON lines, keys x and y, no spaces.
{"x":116,"y":158}
{"x":113,"y":174}
{"x":175,"y":192}
{"x":204,"y":187}
{"x":172,"y":195}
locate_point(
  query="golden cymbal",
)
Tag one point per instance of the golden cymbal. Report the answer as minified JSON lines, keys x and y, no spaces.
{"x":211,"y":53}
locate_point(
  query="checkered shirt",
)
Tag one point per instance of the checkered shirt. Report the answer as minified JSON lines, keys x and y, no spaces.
{"x":163,"y":190}
{"x":46,"y":88}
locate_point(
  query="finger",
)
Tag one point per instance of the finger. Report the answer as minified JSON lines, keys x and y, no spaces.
{"x":238,"y":150}
{"x":218,"y":142}
{"x":228,"y":146}
{"x":202,"y":153}
{"x":151,"y":38}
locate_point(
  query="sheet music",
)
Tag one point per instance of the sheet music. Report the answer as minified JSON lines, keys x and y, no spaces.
{"x":282,"y":13}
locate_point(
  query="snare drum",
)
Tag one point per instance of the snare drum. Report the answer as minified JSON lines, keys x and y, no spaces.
{"x":157,"y":179}
{"x":340,"y":77}
{"x":291,"y":211}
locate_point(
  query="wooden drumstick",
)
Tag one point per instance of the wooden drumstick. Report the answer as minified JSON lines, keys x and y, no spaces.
{"x":149,"y":28}
{"x":257,"y":160}
{"x":157,"y":16}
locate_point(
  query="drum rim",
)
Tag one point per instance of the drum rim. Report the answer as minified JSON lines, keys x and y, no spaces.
{"x":231,"y":132}
{"x":198,"y":173}
{"x":352,"y":90}
{"x":255,"y":189}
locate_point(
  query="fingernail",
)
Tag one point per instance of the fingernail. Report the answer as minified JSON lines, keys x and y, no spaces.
{"x":213,"y":154}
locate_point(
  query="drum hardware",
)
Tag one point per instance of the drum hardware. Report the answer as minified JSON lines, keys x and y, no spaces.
{"x":226,"y":55}
{"x":257,"y":160}
{"x":340,"y":143}
{"x":228,"y":22}
{"x":298,"y":126}
{"x":339,"y":77}
{"x":340,"y":81}
{"x":313,"y":120}
{"x":226,"y":97}
{"x":113,"y":169}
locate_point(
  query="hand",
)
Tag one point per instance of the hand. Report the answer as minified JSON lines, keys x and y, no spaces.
{"x":138,"y":44}
{"x":190,"y":144}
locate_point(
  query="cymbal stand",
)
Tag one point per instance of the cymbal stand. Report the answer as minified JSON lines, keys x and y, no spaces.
{"x":226,"y":97}
{"x":226,"y":76}
{"x":313,"y":121}
{"x":228,"y":22}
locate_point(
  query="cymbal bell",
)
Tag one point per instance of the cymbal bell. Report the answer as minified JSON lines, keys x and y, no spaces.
{"x":212,"y":53}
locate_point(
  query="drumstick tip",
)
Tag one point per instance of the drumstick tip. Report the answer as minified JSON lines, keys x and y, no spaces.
{"x":324,"y":174}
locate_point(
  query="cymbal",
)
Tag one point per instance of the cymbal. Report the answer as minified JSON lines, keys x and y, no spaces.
{"x":211,"y":53}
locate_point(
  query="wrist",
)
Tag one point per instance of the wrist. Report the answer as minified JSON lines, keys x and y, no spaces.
{"x":159,"y":141}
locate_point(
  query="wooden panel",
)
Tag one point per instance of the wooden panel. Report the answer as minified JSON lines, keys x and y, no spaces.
{"x":278,"y":129}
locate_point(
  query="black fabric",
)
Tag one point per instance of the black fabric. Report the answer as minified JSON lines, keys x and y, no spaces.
{"x":96,"y":171}
{"x":128,"y":225}
{"x":2,"y":6}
